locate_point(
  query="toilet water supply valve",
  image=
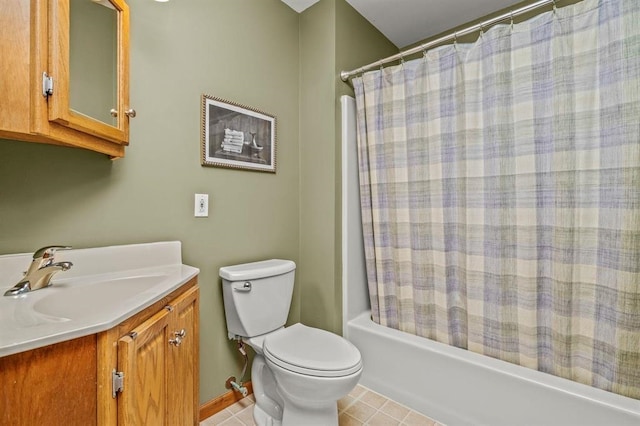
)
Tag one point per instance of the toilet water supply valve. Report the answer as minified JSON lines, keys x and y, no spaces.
{"x":231,"y":381}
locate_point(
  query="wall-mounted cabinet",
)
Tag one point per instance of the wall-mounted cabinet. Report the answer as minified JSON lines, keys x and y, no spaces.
{"x":64,"y":73}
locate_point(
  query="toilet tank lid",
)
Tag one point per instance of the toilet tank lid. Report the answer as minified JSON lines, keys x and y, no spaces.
{"x":255,"y":270}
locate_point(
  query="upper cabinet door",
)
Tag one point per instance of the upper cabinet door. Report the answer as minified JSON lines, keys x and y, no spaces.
{"x":89,"y":63}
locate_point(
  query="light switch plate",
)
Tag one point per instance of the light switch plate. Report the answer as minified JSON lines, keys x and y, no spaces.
{"x":201,"y":208}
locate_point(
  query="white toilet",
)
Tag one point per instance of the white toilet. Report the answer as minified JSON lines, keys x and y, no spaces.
{"x":299,"y":372}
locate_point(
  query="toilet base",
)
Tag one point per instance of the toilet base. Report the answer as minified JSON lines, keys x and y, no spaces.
{"x":263,"y":419}
{"x":320,"y":415}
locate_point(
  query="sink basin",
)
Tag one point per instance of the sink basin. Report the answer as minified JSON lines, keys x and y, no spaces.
{"x":20,"y":316}
{"x":80,"y":300}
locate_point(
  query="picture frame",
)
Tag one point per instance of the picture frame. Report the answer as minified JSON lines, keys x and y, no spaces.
{"x":236,"y":136}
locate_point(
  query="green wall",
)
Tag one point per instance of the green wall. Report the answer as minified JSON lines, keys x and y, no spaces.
{"x":333,"y":37}
{"x":243,"y":51}
{"x":259,"y":53}
{"x":317,"y":196}
{"x":357,"y":43}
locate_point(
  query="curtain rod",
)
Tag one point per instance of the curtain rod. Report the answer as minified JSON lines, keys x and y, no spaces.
{"x":345,"y":75}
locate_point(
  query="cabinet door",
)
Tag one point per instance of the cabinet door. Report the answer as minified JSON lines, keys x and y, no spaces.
{"x":184,"y":359}
{"x":143,"y":357}
{"x":52,"y":385}
{"x":89,"y":63}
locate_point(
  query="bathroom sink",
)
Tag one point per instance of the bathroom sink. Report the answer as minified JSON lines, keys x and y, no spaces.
{"x":79,"y":300}
{"x":105,"y":286}
{"x":19,"y":316}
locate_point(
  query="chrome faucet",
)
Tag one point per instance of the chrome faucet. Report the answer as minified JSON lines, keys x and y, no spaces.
{"x":40,"y":271}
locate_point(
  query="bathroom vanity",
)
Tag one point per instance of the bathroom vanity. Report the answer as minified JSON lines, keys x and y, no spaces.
{"x":114,"y":342}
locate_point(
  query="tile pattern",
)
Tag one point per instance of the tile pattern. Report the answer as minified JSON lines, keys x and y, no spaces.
{"x":361,"y":407}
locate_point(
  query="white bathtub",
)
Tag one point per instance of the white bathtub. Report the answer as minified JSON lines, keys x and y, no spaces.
{"x":458,"y":387}
{"x":451,"y":385}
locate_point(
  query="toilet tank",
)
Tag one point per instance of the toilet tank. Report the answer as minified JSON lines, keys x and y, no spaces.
{"x":257,"y":296}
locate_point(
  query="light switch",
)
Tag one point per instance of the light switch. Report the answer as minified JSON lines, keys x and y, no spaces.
{"x":201,"y":208}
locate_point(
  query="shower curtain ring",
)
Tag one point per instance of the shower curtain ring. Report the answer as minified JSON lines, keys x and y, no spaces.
{"x":455,"y":40}
{"x":555,"y":7}
{"x":511,"y":13}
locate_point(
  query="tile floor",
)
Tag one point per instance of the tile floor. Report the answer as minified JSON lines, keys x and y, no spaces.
{"x":361,"y":407}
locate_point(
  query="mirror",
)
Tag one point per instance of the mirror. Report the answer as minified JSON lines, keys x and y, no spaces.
{"x":93,"y":59}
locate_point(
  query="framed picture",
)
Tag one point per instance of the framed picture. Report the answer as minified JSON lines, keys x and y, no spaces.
{"x":237,"y":136}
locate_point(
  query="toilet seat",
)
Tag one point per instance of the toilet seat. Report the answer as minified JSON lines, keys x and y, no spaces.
{"x":312,"y":352}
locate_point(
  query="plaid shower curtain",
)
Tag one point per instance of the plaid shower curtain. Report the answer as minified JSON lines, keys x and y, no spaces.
{"x":500,"y":192}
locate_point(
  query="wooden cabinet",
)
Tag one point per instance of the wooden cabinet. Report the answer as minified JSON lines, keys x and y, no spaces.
{"x":184,"y":381}
{"x":157,"y":362}
{"x":71,"y":383}
{"x":54,"y":385}
{"x":64,"y":73}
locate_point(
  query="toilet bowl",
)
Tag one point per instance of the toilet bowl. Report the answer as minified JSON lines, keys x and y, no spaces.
{"x":298,"y":372}
{"x":313,"y":369}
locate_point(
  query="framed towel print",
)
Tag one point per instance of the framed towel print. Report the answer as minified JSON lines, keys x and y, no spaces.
{"x":237,"y":136}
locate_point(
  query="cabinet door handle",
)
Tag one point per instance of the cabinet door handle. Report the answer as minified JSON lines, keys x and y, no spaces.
{"x":131,"y":113}
{"x":113,"y":112}
{"x":178,"y":336}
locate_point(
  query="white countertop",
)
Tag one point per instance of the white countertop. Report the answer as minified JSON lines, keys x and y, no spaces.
{"x":105,"y":286}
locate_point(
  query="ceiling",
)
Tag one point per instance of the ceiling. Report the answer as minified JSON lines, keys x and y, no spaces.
{"x":405,"y":22}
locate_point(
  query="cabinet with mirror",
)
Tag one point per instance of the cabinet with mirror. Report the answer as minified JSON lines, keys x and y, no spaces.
{"x":65,"y":73}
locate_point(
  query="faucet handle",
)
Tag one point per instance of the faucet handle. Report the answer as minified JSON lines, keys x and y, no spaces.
{"x":48,"y":251}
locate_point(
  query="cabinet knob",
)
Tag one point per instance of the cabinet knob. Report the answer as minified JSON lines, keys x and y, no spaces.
{"x":131,"y":113}
{"x":113,"y":112}
{"x":178,"y":336}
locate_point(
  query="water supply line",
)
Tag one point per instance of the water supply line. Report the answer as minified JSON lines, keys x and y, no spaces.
{"x":231,"y":382}
{"x":238,"y":388}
